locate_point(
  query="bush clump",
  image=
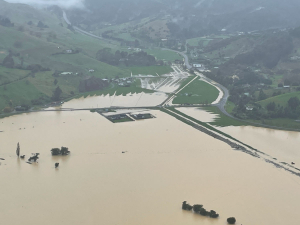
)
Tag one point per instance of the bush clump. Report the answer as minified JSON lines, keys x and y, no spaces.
{"x":62,"y":151}
{"x":213,"y":214}
{"x":231,"y":220}
{"x":186,"y":206}
{"x":199,"y":210}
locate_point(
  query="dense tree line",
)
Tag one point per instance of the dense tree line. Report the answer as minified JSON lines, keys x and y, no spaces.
{"x":92,"y":84}
{"x":5,"y":22}
{"x":291,"y":111}
{"x":129,"y":59}
{"x":199,"y":209}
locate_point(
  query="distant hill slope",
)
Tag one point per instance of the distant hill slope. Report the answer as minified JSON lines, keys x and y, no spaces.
{"x":192,"y":18}
{"x":38,"y":44}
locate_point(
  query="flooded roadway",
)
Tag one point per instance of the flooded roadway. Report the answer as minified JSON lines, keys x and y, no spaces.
{"x":283,"y":145}
{"x":166,"y":162}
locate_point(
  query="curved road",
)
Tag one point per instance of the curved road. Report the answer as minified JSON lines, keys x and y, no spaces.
{"x":221,"y":104}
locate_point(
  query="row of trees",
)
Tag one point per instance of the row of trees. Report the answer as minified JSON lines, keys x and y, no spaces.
{"x":292,"y":110}
{"x":9,"y":62}
{"x":199,"y":210}
{"x":202,"y":211}
{"x":61,"y":151}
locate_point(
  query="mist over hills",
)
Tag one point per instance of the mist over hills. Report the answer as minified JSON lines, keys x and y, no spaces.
{"x":189,"y":18}
{"x":194,"y":17}
{"x":43,"y":3}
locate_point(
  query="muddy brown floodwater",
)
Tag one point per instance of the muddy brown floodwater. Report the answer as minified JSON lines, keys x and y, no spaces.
{"x":129,"y":100}
{"x":166,"y":162}
{"x":280,"y":144}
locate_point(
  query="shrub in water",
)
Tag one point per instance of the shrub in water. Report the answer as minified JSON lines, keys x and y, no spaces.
{"x":213,"y":214}
{"x":197,"y":208}
{"x":203,"y":212}
{"x":186,"y":206}
{"x":231,"y":220}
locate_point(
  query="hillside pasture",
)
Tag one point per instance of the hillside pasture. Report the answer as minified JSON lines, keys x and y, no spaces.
{"x":165,"y":55}
{"x":150,"y":70}
{"x":281,"y":100}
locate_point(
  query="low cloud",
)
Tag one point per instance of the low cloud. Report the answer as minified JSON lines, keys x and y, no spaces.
{"x":61,"y":3}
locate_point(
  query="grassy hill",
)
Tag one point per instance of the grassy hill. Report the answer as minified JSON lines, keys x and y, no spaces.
{"x":281,"y":100}
{"x":47,"y":47}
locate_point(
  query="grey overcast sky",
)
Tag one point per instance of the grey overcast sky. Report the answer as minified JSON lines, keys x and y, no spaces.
{"x":62,"y":3}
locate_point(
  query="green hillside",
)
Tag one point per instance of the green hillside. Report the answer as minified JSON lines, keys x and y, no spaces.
{"x":281,"y":100}
{"x":46,"y":46}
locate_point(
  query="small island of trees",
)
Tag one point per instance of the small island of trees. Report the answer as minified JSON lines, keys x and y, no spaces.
{"x":62,"y":151}
{"x":198,"y":209}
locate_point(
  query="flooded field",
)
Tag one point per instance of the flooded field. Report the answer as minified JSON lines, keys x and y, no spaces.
{"x":166,"y":162}
{"x":167,"y":83}
{"x":130,"y":100}
{"x":282,"y":145}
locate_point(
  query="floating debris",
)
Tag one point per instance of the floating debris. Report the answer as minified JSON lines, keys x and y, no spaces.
{"x":34,"y":158}
{"x":2,"y":159}
{"x":29,"y":162}
{"x":22,"y":156}
{"x":56,"y":165}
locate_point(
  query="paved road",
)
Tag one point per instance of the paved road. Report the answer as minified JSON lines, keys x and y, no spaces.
{"x":222,"y":102}
{"x":220,"y":105}
{"x":82,"y":31}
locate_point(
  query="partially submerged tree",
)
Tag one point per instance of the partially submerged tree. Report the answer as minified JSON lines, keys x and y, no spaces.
{"x":203,"y":212}
{"x":18,"y":150}
{"x":197,"y":208}
{"x":55,"y":151}
{"x":213,"y":214}
{"x":186,"y":206}
{"x":62,"y":151}
{"x":231,"y":220}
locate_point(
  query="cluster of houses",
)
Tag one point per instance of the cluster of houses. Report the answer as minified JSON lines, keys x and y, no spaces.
{"x":122,"y":82}
{"x":197,"y":65}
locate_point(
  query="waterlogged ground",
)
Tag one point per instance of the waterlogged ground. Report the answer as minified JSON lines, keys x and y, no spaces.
{"x":129,"y":100}
{"x":167,"y":83}
{"x":166,"y":162}
{"x":282,"y":145}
